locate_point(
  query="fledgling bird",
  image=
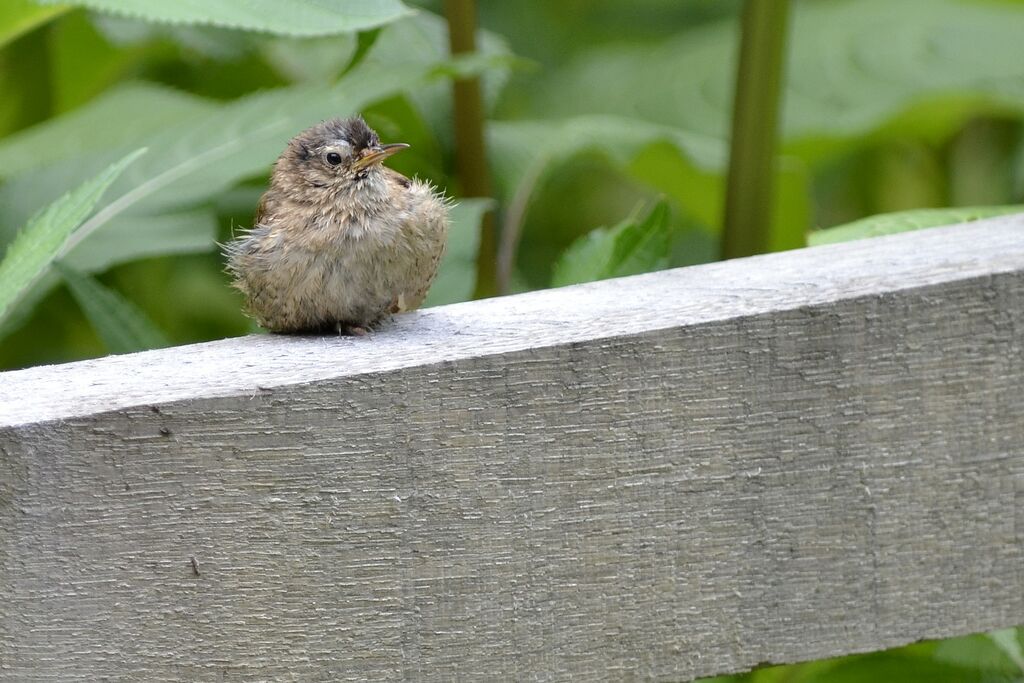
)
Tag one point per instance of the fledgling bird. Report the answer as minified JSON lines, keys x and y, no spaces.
{"x":340,"y":242}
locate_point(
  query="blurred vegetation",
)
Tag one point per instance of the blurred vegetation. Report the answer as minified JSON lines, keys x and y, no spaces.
{"x":595,"y":109}
{"x":605,"y":124}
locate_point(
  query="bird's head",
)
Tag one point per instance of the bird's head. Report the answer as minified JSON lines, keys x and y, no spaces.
{"x":336,"y":154}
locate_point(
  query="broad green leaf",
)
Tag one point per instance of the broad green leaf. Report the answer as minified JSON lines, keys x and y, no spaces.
{"x":895,"y":665}
{"x":1008,"y":640}
{"x":365,"y":40}
{"x":133,"y":236}
{"x":121,"y":325}
{"x":970,"y":659}
{"x":587,"y":259}
{"x":980,"y":652}
{"x":212,"y":42}
{"x":310,"y":60}
{"x":417,"y":39}
{"x":645,"y":246}
{"x":125,"y":115}
{"x":856,"y":67}
{"x":18,"y":17}
{"x":903,"y":221}
{"x":47,"y":234}
{"x":291,"y":17}
{"x":457,"y":273}
{"x":637,"y":245}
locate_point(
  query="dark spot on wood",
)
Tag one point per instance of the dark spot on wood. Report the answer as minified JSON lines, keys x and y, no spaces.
{"x":154,"y":409}
{"x":164,"y":431}
{"x":195,"y":566}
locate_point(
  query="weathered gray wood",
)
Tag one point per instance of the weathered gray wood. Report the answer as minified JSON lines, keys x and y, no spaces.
{"x":679,"y":474}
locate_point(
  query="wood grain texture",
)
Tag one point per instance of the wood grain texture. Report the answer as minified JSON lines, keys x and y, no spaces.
{"x":654,"y":478}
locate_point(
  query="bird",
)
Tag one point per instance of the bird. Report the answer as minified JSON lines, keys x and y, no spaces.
{"x":339,"y":242}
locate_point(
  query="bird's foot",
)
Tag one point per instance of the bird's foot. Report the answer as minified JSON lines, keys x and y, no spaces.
{"x":346,"y":329}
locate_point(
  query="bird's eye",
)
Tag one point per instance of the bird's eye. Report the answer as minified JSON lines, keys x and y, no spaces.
{"x":333,"y":158}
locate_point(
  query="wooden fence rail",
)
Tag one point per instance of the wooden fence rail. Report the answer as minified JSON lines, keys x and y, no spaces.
{"x":654,"y":478}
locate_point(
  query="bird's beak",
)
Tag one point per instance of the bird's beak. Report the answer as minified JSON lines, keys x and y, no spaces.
{"x":379,"y":154}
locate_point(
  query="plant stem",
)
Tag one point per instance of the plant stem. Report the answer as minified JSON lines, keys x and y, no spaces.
{"x":750,"y":189}
{"x":471,"y":153}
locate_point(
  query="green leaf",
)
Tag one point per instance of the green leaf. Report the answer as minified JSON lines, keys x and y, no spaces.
{"x":1008,"y":640}
{"x":364,"y":43}
{"x":132,"y":236}
{"x":894,"y":666}
{"x":857,"y":68}
{"x":311,"y":60}
{"x":587,"y":259}
{"x":121,"y":325}
{"x":631,"y":247}
{"x":122,"y":116}
{"x":980,"y":652}
{"x":903,"y":221}
{"x":18,"y":17}
{"x":211,"y":42}
{"x":457,"y":273}
{"x":643,"y":247}
{"x":282,"y":17}
{"x":47,"y":234}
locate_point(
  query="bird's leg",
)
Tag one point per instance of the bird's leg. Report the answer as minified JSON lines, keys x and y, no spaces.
{"x":347,"y":329}
{"x":398,"y":304}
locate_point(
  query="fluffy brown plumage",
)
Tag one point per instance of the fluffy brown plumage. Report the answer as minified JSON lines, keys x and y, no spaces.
{"x":340,"y":241}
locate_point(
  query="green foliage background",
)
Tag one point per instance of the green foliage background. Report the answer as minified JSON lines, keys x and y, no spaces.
{"x":597,"y":109}
{"x":607,"y":139}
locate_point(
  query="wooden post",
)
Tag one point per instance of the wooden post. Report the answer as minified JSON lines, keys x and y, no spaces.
{"x":673,"y":475}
